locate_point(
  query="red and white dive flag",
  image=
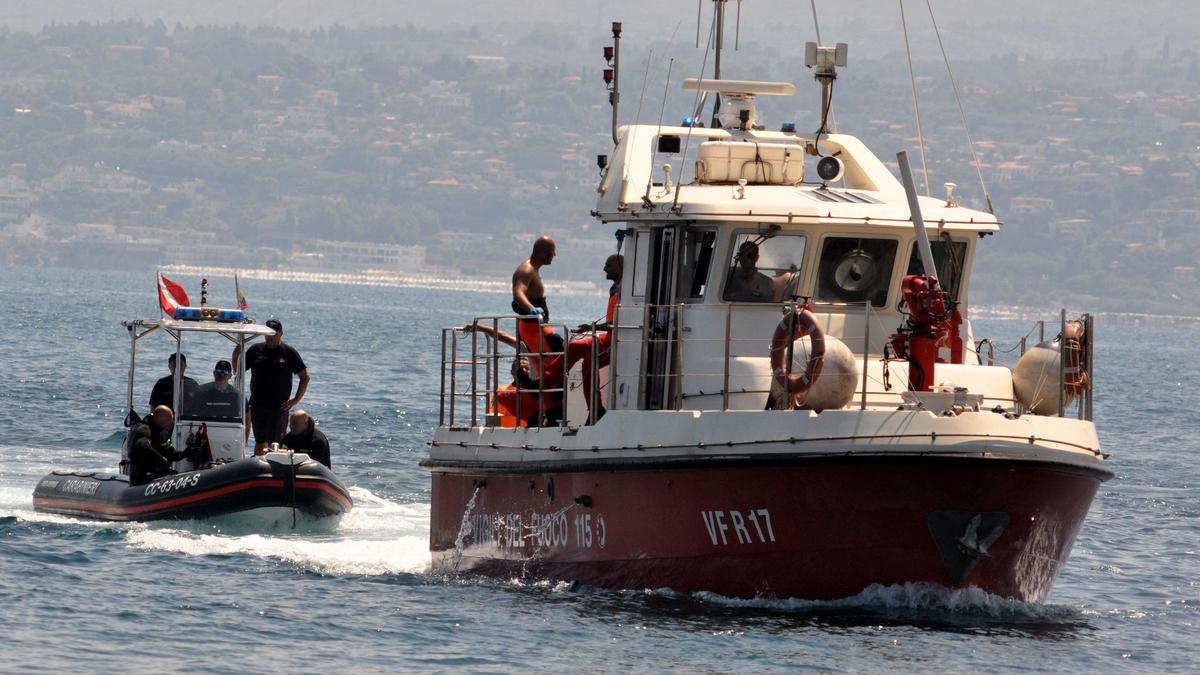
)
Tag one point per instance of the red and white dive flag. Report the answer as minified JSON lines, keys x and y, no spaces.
{"x":171,"y":295}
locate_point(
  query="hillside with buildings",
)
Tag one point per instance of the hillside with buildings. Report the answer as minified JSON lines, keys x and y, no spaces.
{"x":445,"y":150}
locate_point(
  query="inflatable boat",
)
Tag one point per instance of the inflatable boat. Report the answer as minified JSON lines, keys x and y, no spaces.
{"x":278,"y":486}
{"x":215,"y":478}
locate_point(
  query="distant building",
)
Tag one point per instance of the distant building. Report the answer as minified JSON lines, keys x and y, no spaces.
{"x":359,"y":255}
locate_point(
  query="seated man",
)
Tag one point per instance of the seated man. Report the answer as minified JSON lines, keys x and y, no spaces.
{"x":746,"y":283}
{"x":304,"y":436}
{"x":217,"y":399}
{"x":554,"y":370}
{"x":517,"y":403}
{"x":151,"y":451}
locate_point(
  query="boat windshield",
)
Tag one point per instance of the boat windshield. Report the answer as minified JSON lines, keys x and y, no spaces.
{"x":763,"y":268}
{"x":215,"y":401}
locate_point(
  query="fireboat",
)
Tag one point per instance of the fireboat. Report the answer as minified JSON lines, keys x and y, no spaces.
{"x":797,"y":404}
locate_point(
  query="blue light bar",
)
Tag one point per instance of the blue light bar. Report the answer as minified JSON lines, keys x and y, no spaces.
{"x":209,"y":314}
{"x":788,"y":128}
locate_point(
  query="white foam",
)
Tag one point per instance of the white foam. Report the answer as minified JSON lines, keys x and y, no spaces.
{"x":378,"y":537}
{"x":910,"y":596}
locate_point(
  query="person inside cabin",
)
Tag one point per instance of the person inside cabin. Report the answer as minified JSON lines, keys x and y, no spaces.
{"x":217,"y":399}
{"x":746,"y":283}
{"x":272,"y":366}
{"x":164,"y":388}
{"x":151,"y":450}
{"x":305,"y":437}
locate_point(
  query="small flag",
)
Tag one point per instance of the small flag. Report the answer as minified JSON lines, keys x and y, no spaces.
{"x":242,"y":304}
{"x":171,"y":296}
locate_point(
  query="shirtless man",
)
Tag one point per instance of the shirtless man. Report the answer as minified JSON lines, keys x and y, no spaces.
{"x":529,"y":297}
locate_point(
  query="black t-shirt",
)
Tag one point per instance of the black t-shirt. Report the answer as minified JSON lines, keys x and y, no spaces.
{"x":161,"y":394}
{"x":209,"y":402}
{"x":271,"y":372}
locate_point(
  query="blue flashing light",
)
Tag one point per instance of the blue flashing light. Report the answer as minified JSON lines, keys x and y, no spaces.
{"x":688,"y":121}
{"x":788,"y":128}
{"x":209,"y":314}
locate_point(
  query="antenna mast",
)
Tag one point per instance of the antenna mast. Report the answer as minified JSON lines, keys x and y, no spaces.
{"x":612,"y":75}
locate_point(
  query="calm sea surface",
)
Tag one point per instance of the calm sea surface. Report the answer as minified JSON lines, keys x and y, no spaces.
{"x":200,"y":597}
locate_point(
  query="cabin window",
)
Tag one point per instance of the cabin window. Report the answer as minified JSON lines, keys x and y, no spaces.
{"x":950,"y":256}
{"x":763,"y":267}
{"x":856,"y":269}
{"x":697,"y":261}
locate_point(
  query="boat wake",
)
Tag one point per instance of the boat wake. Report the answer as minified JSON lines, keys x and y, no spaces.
{"x":379,"y":537}
{"x":901,"y":601}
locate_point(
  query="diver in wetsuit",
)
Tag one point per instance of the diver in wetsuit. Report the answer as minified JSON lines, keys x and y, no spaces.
{"x":151,"y":451}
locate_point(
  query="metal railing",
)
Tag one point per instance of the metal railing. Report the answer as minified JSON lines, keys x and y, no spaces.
{"x":539,"y":362}
{"x":662,"y":338}
{"x":651,"y":336}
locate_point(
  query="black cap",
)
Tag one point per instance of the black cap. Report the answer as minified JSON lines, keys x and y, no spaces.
{"x":274,"y":324}
{"x":223,"y":367}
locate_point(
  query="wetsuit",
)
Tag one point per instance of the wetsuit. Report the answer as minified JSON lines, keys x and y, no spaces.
{"x":312,"y":442}
{"x":151,"y":452}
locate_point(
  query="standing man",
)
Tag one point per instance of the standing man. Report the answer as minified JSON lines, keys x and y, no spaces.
{"x":307,"y":438}
{"x":165,"y":387}
{"x":272,"y":364}
{"x":529,"y":295}
{"x":580,"y":348}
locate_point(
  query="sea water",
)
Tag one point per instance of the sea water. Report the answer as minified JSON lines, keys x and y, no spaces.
{"x":211,"y":596}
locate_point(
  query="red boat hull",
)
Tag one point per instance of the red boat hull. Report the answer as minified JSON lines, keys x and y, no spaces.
{"x":806,"y":529}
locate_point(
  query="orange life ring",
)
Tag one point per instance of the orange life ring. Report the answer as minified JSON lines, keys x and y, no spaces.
{"x":796,"y":325}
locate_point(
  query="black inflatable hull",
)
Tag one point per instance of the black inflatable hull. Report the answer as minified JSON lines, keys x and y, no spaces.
{"x":252,"y":483}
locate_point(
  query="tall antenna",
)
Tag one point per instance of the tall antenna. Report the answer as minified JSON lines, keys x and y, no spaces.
{"x":916,"y":106}
{"x":612,"y":55}
{"x":719,"y":38}
{"x":816,"y":24}
{"x":963,"y":115}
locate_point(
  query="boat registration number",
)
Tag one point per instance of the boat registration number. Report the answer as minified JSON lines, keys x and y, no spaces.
{"x":752,"y":526}
{"x":171,"y":485}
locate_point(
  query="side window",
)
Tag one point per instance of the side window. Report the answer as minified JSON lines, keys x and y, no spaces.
{"x":763,"y":268}
{"x":697,"y":261}
{"x":856,"y":269}
{"x":949,"y":256}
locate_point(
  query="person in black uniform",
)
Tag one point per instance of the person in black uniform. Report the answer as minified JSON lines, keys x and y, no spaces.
{"x":151,"y":451}
{"x":307,"y":438}
{"x":272,"y":365}
{"x":161,"y":394}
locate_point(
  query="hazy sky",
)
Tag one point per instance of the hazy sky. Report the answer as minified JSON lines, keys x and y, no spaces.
{"x":1065,"y":28}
